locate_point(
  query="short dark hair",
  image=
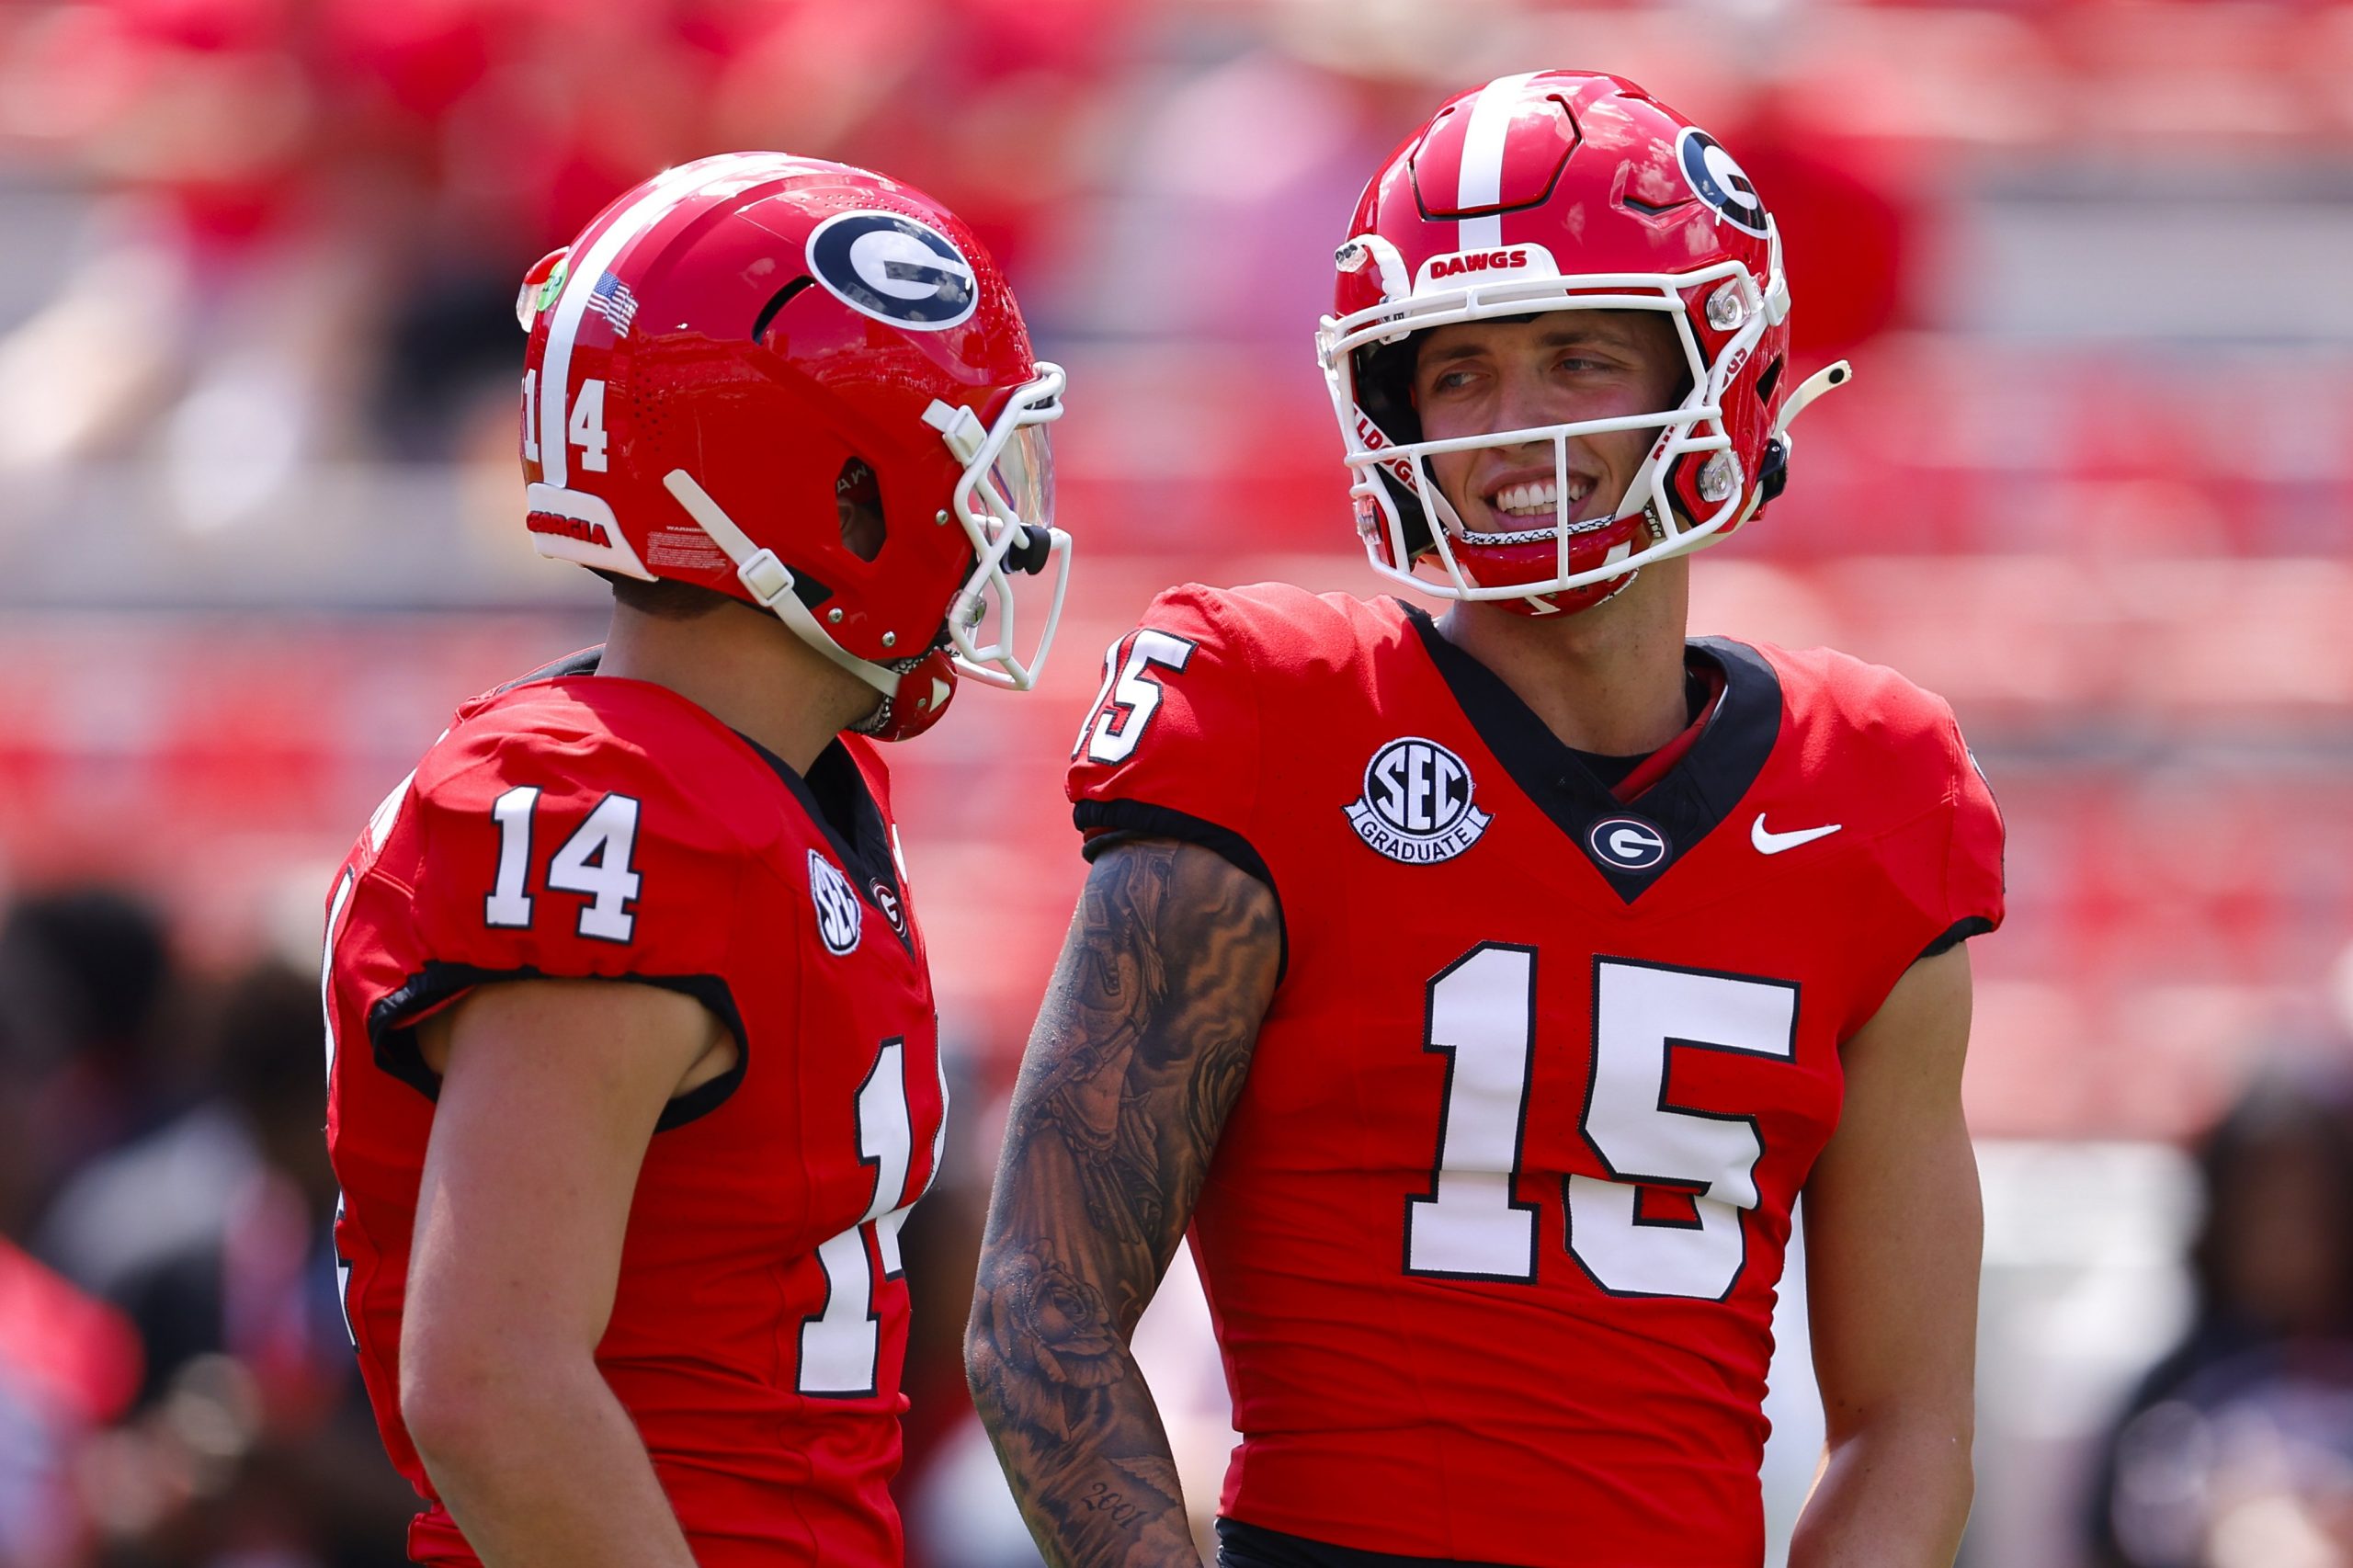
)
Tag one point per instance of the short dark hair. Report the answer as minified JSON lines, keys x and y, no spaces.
{"x":665,"y":598}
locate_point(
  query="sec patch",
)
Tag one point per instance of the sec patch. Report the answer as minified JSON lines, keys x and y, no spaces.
{"x":1417,"y":807}
{"x":840,"y":917}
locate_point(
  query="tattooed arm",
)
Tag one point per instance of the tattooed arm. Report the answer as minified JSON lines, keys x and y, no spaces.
{"x":1138,"y":1056}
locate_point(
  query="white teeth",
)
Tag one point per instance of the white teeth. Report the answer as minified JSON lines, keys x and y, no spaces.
{"x":1536,"y":500}
{"x":1526,"y":500}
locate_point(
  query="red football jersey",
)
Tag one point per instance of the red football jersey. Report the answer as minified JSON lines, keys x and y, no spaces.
{"x":588,"y":826}
{"x":1493,"y":1235}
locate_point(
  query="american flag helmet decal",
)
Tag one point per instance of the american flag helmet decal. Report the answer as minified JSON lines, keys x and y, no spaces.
{"x":611,"y":300}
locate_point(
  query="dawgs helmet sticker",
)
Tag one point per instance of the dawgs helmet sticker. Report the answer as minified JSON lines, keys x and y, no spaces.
{"x":894,"y":270}
{"x":1416,"y":807}
{"x":1719,"y":182}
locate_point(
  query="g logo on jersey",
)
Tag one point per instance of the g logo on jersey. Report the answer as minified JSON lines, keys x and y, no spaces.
{"x":894,"y":270}
{"x":1629,"y":843}
{"x":1416,"y":807}
{"x":887,"y":903}
{"x":839,"y":914}
{"x":1719,"y":181}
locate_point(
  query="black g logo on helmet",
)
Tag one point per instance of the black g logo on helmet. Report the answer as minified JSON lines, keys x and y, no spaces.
{"x":1720,"y":182}
{"x":890,"y":268}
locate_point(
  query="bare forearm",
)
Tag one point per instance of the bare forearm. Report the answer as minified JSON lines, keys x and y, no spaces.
{"x":1893,"y":1235}
{"x":552,"y":1474}
{"x":1139,"y":1055}
{"x":1089,"y":1463}
{"x":1895,"y":1496}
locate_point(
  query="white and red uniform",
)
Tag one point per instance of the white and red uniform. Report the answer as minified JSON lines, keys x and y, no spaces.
{"x":1492,"y":1234}
{"x":585,"y":826}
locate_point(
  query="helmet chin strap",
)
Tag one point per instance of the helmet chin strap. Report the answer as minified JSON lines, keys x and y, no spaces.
{"x":923,"y":696}
{"x":1837,"y":373}
{"x":914,"y":696}
{"x":769,"y":581}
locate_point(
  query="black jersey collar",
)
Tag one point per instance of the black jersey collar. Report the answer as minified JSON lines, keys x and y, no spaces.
{"x":835,"y":796}
{"x":583,"y":663}
{"x":1689,"y":800}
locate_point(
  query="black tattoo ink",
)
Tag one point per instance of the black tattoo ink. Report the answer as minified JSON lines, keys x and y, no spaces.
{"x":1139,"y":1052}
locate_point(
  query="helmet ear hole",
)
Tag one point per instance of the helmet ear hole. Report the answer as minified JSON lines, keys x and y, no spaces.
{"x":1767,"y":382}
{"x":857,"y":500}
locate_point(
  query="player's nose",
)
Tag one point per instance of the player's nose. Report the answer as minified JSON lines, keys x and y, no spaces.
{"x":1523,"y":401}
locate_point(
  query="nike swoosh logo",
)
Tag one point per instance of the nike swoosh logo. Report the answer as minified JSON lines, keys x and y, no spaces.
{"x":1768,"y":843}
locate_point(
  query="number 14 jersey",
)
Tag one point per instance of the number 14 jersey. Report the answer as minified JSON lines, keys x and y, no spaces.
{"x":1493,"y":1235}
{"x":585,"y":826}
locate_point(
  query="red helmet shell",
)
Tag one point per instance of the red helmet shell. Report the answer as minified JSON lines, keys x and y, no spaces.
{"x":765,"y":324}
{"x":1587,"y":179}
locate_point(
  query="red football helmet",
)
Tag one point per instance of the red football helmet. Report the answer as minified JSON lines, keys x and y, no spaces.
{"x":807,"y":386}
{"x":1562,"y":191}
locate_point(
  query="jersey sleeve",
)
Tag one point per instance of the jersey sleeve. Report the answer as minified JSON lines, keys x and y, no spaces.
{"x":1973,"y":877}
{"x":524,"y":855}
{"x":1171,"y":748}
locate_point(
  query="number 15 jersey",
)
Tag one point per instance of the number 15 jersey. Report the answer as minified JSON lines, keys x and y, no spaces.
{"x":590,"y":827}
{"x":1492,"y":1234}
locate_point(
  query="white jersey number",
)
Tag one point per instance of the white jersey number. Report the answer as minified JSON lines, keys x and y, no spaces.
{"x":1130,"y":695}
{"x":840,"y":1347}
{"x":593,"y":862}
{"x":1481,"y":1018}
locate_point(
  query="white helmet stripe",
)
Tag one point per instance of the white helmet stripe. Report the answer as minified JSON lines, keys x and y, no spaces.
{"x":580,"y":280}
{"x":1480,"y":181}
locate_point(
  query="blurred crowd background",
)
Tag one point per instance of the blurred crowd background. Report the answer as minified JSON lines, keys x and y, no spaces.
{"x":259,"y":532}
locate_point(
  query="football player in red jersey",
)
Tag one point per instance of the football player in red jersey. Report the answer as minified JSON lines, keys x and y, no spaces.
{"x":1482,"y":991}
{"x":634,"y":1071}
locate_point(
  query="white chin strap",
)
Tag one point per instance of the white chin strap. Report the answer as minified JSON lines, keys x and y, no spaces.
{"x":768,"y":580}
{"x":1837,"y":373}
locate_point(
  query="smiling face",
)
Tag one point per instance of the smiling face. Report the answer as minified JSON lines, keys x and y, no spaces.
{"x":1555,"y":369}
